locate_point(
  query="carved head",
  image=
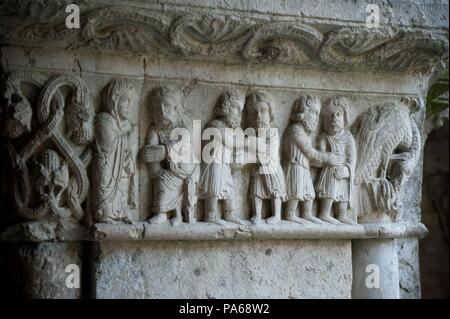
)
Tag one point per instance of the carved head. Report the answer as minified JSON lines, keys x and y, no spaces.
{"x":166,"y":107}
{"x":119,"y":96}
{"x":412,"y":103}
{"x":259,"y":108}
{"x":229,"y":108}
{"x":79,"y":117}
{"x":306,"y":111}
{"x":16,"y":113}
{"x":51,"y":178}
{"x":335,"y":115}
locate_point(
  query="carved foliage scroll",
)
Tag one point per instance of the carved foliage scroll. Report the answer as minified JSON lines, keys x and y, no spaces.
{"x":50,"y":164}
{"x":225,"y":38}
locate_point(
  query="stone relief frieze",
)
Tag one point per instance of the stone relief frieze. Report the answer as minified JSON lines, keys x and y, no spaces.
{"x":220,"y":37}
{"x":61,"y":149}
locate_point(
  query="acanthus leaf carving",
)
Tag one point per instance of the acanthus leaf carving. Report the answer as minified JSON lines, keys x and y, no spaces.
{"x":209,"y":35}
{"x":385,"y":48}
{"x":122,"y":29}
{"x":283,"y":42}
{"x":219,"y":37}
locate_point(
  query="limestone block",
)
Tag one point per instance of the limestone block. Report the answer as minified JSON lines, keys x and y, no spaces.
{"x":219,"y":269}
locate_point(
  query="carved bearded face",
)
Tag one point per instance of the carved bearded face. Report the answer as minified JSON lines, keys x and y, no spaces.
{"x":164,"y":111}
{"x":233,"y":114}
{"x":261,"y":115}
{"x":311,"y":117}
{"x":335,"y":120}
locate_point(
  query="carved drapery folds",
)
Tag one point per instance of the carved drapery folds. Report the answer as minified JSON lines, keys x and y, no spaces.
{"x":222,"y":37}
{"x":114,"y":168}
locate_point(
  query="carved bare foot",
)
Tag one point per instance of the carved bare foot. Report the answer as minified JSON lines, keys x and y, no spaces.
{"x":344,"y":219}
{"x":158,"y":218}
{"x":127,"y":220}
{"x":233,"y":219}
{"x":256,"y":220}
{"x":291,"y":217}
{"x":274,"y":220}
{"x":312,"y":219}
{"x":191,"y":221}
{"x":176,"y":221}
{"x":329,"y":219}
{"x":215,"y":220}
{"x":106,"y":220}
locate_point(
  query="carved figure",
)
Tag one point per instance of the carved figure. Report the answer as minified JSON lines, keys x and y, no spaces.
{"x":114,"y":170}
{"x":216,"y":182}
{"x":267,"y":181}
{"x":335,"y":182}
{"x":175,"y":180}
{"x":388,"y":142}
{"x":299,"y":155}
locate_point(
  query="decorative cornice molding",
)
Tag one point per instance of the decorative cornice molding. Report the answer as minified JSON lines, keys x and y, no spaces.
{"x":224,"y":38}
{"x":142,"y":231}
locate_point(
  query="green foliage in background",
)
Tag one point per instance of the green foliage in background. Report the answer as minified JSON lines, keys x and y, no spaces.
{"x":435,"y":102}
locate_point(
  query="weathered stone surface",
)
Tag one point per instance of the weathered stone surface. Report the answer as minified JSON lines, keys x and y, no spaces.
{"x":375,"y":271}
{"x":249,"y":269}
{"x":38,"y":270}
{"x":87,"y":116}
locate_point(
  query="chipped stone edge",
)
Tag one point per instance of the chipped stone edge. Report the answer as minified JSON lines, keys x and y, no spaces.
{"x":143,"y":231}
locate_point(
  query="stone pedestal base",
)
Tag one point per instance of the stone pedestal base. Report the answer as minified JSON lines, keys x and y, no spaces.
{"x":224,"y":269}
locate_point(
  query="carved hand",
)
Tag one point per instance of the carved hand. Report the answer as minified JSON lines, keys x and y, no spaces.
{"x":341,"y":172}
{"x":154,"y":153}
{"x":334,"y":160}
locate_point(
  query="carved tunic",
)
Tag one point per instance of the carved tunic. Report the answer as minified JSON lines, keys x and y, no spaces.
{"x":216,"y":179}
{"x":299,"y":155}
{"x":268,"y":181}
{"x":170,"y":178}
{"x":114,"y":168}
{"x":328,"y":186}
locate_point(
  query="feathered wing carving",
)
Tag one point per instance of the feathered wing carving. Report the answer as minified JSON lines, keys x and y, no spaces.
{"x":388,"y":142}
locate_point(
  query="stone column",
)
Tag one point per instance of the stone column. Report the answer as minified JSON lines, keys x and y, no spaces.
{"x":375,"y":269}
